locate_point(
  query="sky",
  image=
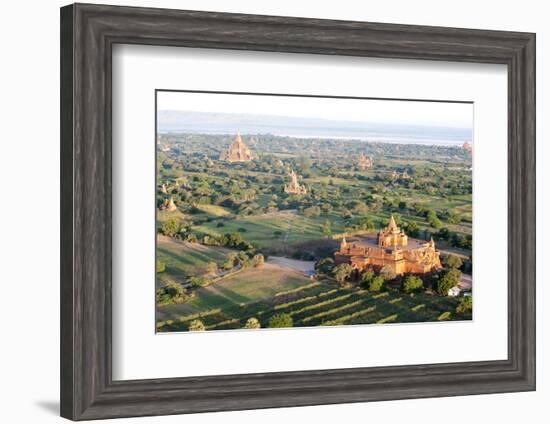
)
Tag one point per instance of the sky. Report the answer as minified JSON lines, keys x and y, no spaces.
{"x":437,"y":114}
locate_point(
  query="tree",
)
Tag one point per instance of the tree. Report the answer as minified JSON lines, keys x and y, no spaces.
{"x":229,"y":262}
{"x":465,"y":305}
{"x":365,"y":223}
{"x":433,"y":220}
{"x":324,"y":265}
{"x":447,"y":280}
{"x":412,"y":284}
{"x":172,"y":293}
{"x":327,"y":231}
{"x":280,"y":321}
{"x":197,"y":281}
{"x":160,"y":267}
{"x":258,"y":260}
{"x":252,"y":323}
{"x":366,"y":278}
{"x":412,"y":229}
{"x":212,"y":268}
{"x":342,"y":272}
{"x":170,"y":227}
{"x":443,"y":234}
{"x":452,"y":261}
{"x":312,"y":211}
{"x":376,"y":284}
{"x":196,"y":325}
{"x":453,"y":218}
{"x":243,"y":260}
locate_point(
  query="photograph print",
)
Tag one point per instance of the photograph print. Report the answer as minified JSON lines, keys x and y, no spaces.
{"x":279,"y":211}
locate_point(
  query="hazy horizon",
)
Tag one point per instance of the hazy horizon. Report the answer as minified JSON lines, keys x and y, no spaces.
{"x":174,"y":121}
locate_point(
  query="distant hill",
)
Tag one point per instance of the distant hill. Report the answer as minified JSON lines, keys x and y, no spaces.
{"x":222,"y":123}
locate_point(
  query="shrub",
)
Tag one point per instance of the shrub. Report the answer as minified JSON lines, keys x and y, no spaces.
{"x":325,"y":265}
{"x":212,"y":268}
{"x":280,"y":321}
{"x":243,"y":260}
{"x":412,"y":284}
{"x":452,"y":261}
{"x":376,"y":284}
{"x":252,"y":323}
{"x":312,"y":211}
{"x":229,"y":262}
{"x":170,"y":227}
{"x":172,"y":293}
{"x":412,"y":229}
{"x":447,"y":280}
{"x":258,"y":260}
{"x":197,"y":281}
{"x":465,"y":305}
{"x":366,"y":278}
{"x":445,"y":316}
{"x":453,"y":218}
{"x":196,"y":325}
{"x":161,"y":266}
{"x":342,"y":272}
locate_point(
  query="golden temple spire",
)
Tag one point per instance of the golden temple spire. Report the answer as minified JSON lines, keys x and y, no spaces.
{"x":392,"y":223}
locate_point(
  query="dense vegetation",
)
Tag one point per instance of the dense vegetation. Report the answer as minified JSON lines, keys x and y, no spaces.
{"x":231,"y":217}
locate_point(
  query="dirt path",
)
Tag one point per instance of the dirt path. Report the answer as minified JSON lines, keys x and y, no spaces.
{"x":295,"y":264}
{"x":465,"y":282}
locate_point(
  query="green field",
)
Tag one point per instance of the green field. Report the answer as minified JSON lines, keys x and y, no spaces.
{"x":273,"y":232}
{"x":183,"y":259}
{"x":229,"y":214}
{"x":228,"y":304}
{"x":233,"y":293}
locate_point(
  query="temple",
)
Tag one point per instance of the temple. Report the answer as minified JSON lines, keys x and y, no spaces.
{"x":364,"y":162}
{"x":293,"y":187}
{"x":390,"y":249}
{"x":168,"y":205}
{"x":237,"y":152}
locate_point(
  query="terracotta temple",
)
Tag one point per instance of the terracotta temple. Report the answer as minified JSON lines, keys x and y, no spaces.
{"x":467,"y":147}
{"x":294,"y":187}
{"x":237,"y":152}
{"x":390,"y":249}
{"x":168,"y":205}
{"x":364,"y":162}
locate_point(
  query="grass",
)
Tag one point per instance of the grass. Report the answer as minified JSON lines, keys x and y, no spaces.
{"x":274,"y":232}
{"x":233,"y":293}
{"x":258,"y":293}
{"x":214,"y":210}
{"x":183,"y":259}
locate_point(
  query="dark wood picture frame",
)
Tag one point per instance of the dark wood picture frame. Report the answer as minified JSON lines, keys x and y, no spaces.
{"x":88,"y":33}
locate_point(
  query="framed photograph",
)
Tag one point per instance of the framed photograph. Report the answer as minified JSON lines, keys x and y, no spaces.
{"x":269,"y":211}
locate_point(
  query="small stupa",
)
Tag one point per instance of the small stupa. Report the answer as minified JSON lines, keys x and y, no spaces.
{"x":237,"y":152}
{"x":168,"y":205}
{"x":294,"y":187}
{"x":163,"y":189}
{"x":364,"y":162}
